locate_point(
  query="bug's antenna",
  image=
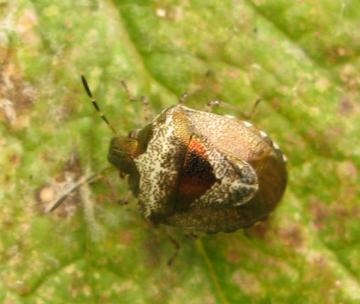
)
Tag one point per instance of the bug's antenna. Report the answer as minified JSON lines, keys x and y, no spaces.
{"x":96,"y":106}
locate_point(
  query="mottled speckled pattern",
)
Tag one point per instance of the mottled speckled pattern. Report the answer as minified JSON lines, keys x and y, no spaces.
{"x":159,"y":166}
{"x":236,"y":180}
{"x":248,"y":169}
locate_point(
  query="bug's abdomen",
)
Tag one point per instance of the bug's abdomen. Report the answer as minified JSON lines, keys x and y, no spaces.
{"x":212,"y":220}
{"x":272,"y":177}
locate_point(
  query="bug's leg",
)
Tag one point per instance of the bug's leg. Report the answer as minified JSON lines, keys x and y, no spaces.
{"x":183,"y":98}
{"x":250,"y":115}
{"x":177,"y":247}
{"x":124,"y":201}
{"x":202,"y":87}
{"x":191,"y":235}
{"x":147,"y":113}
{"x":215,"y":103}
{"x":128,"y":94}
{"x":212,"y":104}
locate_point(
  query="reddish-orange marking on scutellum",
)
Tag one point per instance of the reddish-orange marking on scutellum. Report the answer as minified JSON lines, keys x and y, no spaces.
{"x":198,"y":148}
{"x":195,"y":179}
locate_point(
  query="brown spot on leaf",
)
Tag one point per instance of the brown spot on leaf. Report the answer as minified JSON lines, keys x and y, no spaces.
{"x":350,"y":77}
{"x":127,"y":238}
{"x":58,"y":188}
{"x":248,"y":283}
{"x":292,"y":236}
{"x":336,"y":54}
{"x":15,"y":159}
{"x":25,"y":27}
{"x":232,"y":257}
{"x":16,"y":96}
{"x":334,"y":217}
{"x":347,"y":170}
{"x":259,"y":230}
{"x":346,"y":106}
{"x":319,"y":213}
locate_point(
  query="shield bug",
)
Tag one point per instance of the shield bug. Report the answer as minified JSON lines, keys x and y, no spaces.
{"x":200,"y":171}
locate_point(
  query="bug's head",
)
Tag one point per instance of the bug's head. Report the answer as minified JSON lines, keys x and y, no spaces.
{"x":122,"y":152}
{"x":123,"y":149}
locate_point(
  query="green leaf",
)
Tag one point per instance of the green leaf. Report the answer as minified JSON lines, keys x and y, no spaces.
{"x":300,"y":57}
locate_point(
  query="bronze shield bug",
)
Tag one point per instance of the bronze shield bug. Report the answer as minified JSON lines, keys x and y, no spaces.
{"x":200,"y":171}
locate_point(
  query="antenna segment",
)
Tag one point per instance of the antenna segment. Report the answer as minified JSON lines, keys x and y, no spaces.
{"x":95,"y":104}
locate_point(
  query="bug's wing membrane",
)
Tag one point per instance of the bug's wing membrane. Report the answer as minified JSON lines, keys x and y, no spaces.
{"x":236,"y":181}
